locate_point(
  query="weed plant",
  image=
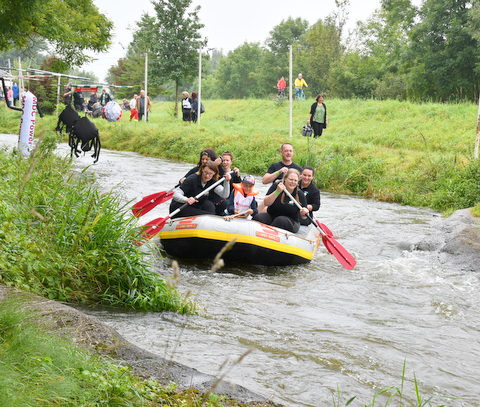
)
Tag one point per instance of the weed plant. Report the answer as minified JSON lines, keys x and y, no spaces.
{"x":38,"y":369}
{"x":64,"y":240}
{"x":412,"y":154}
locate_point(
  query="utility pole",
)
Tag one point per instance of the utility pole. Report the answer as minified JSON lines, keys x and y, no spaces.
{"x":146,"y":86}
{"x":199,"y":85}
{"x":290,"y":87}
{"x":477,"y":140}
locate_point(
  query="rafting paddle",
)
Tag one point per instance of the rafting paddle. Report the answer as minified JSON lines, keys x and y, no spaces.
{"x":156,"y":225}
{"x":147,"y":203}
{"x":335,"y":248}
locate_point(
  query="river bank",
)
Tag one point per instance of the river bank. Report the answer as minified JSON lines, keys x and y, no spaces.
{"x":90,"y":334}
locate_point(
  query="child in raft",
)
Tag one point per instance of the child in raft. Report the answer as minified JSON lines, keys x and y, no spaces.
{"x":242,"y":199}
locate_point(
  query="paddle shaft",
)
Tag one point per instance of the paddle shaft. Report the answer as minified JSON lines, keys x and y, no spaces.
{"x":160,"y":222}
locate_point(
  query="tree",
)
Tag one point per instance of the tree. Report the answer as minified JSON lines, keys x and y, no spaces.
{"x":172,"y":40}
{"x":70,"y":27}
{"x":237,"y":75}
{"x":324,"y":48}
{"x":288,"y":32}
{"x":444,"y":53}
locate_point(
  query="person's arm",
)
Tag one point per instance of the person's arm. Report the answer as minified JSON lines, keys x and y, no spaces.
{"x":270,"y":199}
{"x":272,"y":176}
{"x":254,"y":207}
{"x":224,"y":190}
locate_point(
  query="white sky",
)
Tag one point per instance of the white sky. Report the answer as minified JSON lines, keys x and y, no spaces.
{"x":228,"y":23}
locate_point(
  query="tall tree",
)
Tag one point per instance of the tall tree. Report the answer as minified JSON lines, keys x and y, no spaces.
{"x":445,"y":55}
{"x":70,"y":27}
{"x":237,"y":74}
{"x":172,"y":40}
{"x":324,"y":48}
{"x":288,"y":32}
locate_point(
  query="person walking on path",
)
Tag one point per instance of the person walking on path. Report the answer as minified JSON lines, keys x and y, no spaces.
{"x":318,"y":118}
{"x":299,"y":85}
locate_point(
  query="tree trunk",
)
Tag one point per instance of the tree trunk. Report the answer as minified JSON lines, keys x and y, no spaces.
{"x":175,"y":113}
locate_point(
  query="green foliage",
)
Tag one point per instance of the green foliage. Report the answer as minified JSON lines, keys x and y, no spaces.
{"x":39,"y":369}
{"x":62,"y":23}
{"x":444,"y":47}
{"x":64,"y":240}
{"x":413,"y":154}
{"x":288,"y":32}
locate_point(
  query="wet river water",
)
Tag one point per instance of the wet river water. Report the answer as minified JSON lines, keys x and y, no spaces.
{"x":318,"y":328}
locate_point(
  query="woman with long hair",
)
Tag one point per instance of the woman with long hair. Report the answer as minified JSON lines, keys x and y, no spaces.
{"x":282,"y":212}
{"x":194,"y":184}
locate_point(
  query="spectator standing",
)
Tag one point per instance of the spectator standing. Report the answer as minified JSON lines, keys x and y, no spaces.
{"x":67,"y":94}
{"x":194,"y":113}
{"x":104,"y":97}
{"x":186,"y":107}
{"x":318,"y":118}
{"x":281,"y":85}
{"x":143,"y":104}
{"x":299,"y":85}
{"x":15,"y":94}
{"x":78,"y":101}
{"x":9,"y":96}
{"x":133,"y":108}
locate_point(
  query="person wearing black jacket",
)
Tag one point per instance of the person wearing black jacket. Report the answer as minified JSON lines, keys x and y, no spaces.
{"x":311,"y":192}
{"x":194,"y":184}
{"x":282,"y":212}
{"x":318,"y":118}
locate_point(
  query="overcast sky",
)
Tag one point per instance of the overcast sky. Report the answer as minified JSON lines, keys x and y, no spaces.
{"x":228,"y":24}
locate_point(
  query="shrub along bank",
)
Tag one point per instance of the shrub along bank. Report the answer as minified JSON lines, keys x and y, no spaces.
{"x":64,"y":240}
{"x":412,"y":154}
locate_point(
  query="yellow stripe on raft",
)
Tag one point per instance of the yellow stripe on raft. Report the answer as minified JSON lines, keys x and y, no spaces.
{"x":253,"y":240}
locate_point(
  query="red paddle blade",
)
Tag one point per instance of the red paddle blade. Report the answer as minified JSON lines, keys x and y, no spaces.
{"x":325,"y":229}
{"x":342,"y":254}
{"x":152,"y":228}
{"x":149,"y":202}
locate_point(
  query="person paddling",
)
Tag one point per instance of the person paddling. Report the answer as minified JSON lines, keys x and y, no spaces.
{"x":193,"y":185}
{"x":281,"y":211}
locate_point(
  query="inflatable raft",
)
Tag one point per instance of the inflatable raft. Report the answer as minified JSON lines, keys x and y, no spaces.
{"x":204,"y":236}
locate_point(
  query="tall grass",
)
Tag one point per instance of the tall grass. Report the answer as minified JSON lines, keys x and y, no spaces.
{"x":415,"y":154}
{"x":64,"y":240}
{"x":39,"y":369}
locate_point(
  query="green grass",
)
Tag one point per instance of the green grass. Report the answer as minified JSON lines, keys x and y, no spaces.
{"x":39,"y":369}
{"x":64,"y":240}
{"x":415,"y":154}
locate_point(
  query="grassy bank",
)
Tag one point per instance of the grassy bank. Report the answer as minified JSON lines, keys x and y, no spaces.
{"x":415,"y":154}
{"x":38,"y":368}
{"x":63,"y":240}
